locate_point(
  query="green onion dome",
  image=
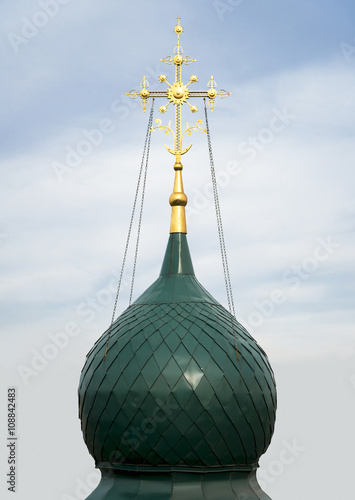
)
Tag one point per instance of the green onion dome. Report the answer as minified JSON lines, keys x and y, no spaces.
{"x":174,"y":403}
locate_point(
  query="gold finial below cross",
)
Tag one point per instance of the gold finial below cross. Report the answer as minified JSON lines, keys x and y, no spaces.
{"x":177,"y":94}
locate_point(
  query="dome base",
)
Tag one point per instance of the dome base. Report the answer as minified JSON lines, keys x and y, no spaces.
{"x":176,"y":485}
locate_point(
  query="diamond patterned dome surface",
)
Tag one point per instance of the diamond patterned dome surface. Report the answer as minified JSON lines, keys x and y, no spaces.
{"x":171,"y":392}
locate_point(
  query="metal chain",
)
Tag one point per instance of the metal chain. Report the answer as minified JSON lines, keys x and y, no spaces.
{"x":150,"y":123}
{"x":145,"y":156}
{"x":222,"y":244}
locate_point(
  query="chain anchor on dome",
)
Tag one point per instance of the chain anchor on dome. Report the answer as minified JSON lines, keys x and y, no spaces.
{"x":178,"y":93}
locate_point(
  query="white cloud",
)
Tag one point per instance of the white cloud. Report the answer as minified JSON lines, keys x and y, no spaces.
{"x":64,"y":239}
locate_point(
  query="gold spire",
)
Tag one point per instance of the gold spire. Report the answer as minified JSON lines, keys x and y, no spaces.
{"x":178,"y":202}
{"x":178,"y":94}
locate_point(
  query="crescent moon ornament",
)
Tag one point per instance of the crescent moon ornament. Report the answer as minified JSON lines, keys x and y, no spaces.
{"x":173,"y":152}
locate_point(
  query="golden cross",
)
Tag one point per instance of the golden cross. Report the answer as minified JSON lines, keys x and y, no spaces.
{"x":178,"y":93}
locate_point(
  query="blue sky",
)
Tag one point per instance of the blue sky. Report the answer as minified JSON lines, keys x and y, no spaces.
{"x":284,"y":150}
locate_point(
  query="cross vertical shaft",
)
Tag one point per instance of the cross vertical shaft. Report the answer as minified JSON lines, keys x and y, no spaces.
{"x":177,"y":94}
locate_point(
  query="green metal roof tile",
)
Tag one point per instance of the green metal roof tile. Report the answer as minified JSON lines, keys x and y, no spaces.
{"x":151,"y":371}
{"x":193,"y":374}
{"x":184,"y":309}
{"x":139,"y":390}
{"x":182,"y":422}
{"x":195,"y":331}
{"x":193,"y":407}
{"x":162,"y":354}
{"x":182,"y":356}
{"x":163,"y":446}
{"x":201,"y":355}
{"x":173,"y":322}
{"x":172,"y":341}
{"x":220,"y":447}
{"x":214,"y":374}
{"x":192,"y":457}
{"x":126,"y":354}
{"x":224,"y":391}
{"x":172,"y":437}
{"x":134,"y":330}
{"x":182,"y":391}
{"x":190,"y":343}
{"x":132,"y":370}
{"x":180,"y":332}
{"x":160,"y":389}
{"x":105,"y":449}
{"x":203,"y":449}
{"x":172,"y":458}
{"x":207,"y":419}
{"x":196,"y":436}
{"x":136,"y":342}
{"x":155,"y":340}
{"x":182,"y":447}
{"x":172,"y":372}
{"x":143,"y":354}
{"x":165,"y":329}
{"x":93,"y":386}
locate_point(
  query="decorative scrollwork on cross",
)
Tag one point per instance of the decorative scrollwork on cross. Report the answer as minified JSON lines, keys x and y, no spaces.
{"x":177,"y":94}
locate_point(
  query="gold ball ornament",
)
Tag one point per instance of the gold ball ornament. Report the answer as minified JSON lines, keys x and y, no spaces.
{"x":178,"y":92}
{"x":193,"y":109}
{"x":178,"y":59}
{"x":178,"y":199}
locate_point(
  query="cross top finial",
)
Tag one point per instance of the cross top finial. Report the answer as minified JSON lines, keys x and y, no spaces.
{"x":177,"y":93}
{"x":178,"y":29}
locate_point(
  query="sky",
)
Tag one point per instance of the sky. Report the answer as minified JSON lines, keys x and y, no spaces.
{"x":283,"y":143}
